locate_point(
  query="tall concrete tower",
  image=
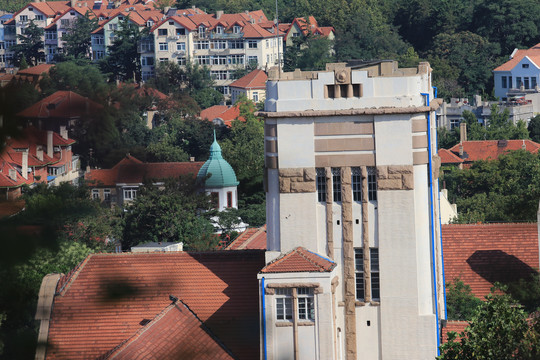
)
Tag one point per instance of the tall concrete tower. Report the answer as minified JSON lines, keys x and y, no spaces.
{"x":354,"y":261}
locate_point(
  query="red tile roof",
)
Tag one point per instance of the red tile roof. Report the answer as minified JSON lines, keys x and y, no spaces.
{"x":252,"y":238}
{"x":492,"y":149}
{"x":254,"y":80}
{"x":223,"y":112}
{"x":63,"y":105}
{"x":104,"y":301}
{"x":131,"y":170}
{"x":455,"y":326}
{"x":178,"y":322}
{"x":36,"y":70}
{"x":300,"y":260}
{"x":481,"y":254}
{"x":533,"y":53}
{"x":448,"y":157}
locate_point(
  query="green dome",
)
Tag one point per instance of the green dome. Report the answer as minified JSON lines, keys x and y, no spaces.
{"x":221,"y":172}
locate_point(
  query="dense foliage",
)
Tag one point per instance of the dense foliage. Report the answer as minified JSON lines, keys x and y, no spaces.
{"x":461,"y":303}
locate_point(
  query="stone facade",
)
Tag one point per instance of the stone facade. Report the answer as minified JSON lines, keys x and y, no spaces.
{"x":395,"y":177}
{"x":297,"y":180}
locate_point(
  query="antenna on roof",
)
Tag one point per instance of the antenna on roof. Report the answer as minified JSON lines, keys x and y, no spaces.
{"x":277,"y":42}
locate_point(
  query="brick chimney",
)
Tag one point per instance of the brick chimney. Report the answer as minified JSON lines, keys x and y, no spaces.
{"x":50,"y":144}
{"x":462,"y":137}
{"x":219,"y":13}
{"x":24,"y":164}
{"x":63,"y":132}
{"x":523,"y":146}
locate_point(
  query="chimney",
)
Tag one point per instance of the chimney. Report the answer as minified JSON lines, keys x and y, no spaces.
{"x":523,"y":146}
{"x":117,"y":4}
{"x":192,"y":159}
{"x":39,"y":152}
{"x":462,"y":132}
{"x":73,"y":3}
{"x":219,"y":13}
{"x":50,"y":144}
{"x":13,"y":174}
{"x":63,"y":132}
{"x":24,"y":164}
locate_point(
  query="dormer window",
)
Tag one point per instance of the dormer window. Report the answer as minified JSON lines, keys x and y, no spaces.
{"x":72,"y":13}
{"x":202,"y":30}
{"x":30,"y":9}
{"x":171,"y":22}
{"x":219,"y":29}
{"x":149,"y":23}
{"x":120,"y":18}
{"x":237,"y":29}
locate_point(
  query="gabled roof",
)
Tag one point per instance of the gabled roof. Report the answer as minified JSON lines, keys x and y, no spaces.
{"x":492,"y":149}
{"x":252,"y":238}
{"x":481,"y":254}
{"x":448,"y":157}
{"x":36,"y":70}
{"x":254,"y":80}
{"x":176,"y":322}
{"x":300,"y":260}
{"x":106,"y":299}
{"x":222,"y":112}
{"x":133,"y":171}
{"x":61,"y":105}
{"x":256,"y":31}
{"x":533,"y":53}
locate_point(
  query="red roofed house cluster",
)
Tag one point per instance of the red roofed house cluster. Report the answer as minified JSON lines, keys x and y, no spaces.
{"x":37,"y":156}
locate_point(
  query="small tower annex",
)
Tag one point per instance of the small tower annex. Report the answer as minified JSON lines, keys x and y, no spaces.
{"x":219,"y":179}
{"x":354,"y":260}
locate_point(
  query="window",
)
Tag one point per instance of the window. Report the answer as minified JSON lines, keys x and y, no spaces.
{"x":181,"y":61}
{"x":375,"y":279}
{"x":525,"y":66}
{"x":171,"y":22}
{"x":519,"y":83}
{"x":526,"y":82}
{"x":98,"y":54}
{"x":253,"y":60}
{"x":359,"y":270}
{"x":219,"y":29}
{"x":202,"y":30}
{"x":321,"y":184}
{"x":284,"y":304}
{"x":236,"y":59}
{"x":356,"y":182}
{"x":9,"y":43}
{"x":203,"y":60}
{"x":218,"y":45}
{"x":149,"y":23}
{"x":236,"y":44}
{"x":180,"y":46}
{"x":255,"y":96}
{"x":113,"y":26}
{"x":509,"y":82}
{"x":237,"y":29}
{"x":163,"y":46}
{"x":147,"y":46}
{"x":39,"y":18}
{"x":146,"y":75}
{"x":267,"y":44}
{"x":98,"y":40}
{"x":107,"y":194}
{"x":53,"y":171}
{"x":162,"y":32}
{"x":454,"y":123}
{"x":162,"y":60}
{"x":95,"y":194}
{"x":214,"y":198}
{"x":372,"y":183}
{"x":180,"y":31}
{"x":147,"y":61}
{"x":229,"y":199}
{"x":306,"y":310}
{"x":533,"y":82}
{"x":220,"y":75}
{"x":23,"y":18}
{"x":504,"y":82}
{"x":295,"y":34}
{"x":130,"y":193}
{"x":219,"y":60}
{"x":72,"y":13}
{"x":252,"y":44}
{"x":201,"y":45}
{"x":336,"y":184}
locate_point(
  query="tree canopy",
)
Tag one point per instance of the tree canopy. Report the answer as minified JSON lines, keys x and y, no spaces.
{"x":29,"y":46}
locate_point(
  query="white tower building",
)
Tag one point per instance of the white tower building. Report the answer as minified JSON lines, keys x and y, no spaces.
{"x":354,"y":260}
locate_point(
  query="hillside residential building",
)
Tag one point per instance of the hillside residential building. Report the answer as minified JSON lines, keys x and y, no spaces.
{"x":300,"y":27}
{"x":354,"y":260}
{"x":252,"y":86}
{"x":3,"y":19}
{"x":222,"y":115}
{"x":37,"y":156}
{"x":518,"y":76}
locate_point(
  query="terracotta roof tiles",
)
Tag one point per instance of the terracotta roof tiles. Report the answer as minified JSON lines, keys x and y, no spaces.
{"x":448,"y":157}
{"x":252,"y":238}
{"x":61,"y":104}
{"x":300,"y":260}
{"x":533,"y":52}
{"x":226,"y":113}
{"x":104,"y":301}
{"x":492,"y":149}
{"x":36,"y":70}
{"x":481,"y":254}
{"x":254,"y":80}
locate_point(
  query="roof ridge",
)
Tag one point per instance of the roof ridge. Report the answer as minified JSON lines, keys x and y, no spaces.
{"x":254,"y":235}
{"x":72,"y":275}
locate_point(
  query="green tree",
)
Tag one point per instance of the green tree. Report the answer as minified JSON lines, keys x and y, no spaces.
{"x":461,"y":303}
{"x":30,"y":46}
{"x":78,"y":38}
{"x":174,"y":212}
{"x":534,"y":128}
{"x":122,"y":62}
{"x":499,"y":126}
{"x":498,"y":330}
{"x":311,"y":52}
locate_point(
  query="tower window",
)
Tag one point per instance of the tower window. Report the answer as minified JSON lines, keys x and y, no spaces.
{"x":356,"y":182}
{"x":229,"y":199}
{"x":372,"y":184}
{"x":336,"y":184}
{"x":359,"y":263}
{"x":284,"y":303}
{"x":361,"y":283}
{"x":375,"y":279}
{"x":321,"y":184}
{"x":306,"y":310}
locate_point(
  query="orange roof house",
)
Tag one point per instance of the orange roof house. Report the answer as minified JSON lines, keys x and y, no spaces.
{"x":59,"y":111}
{"x":252,"y":238}
{"x":31,"y":75}
{"x":252,"y":86}
{"x":118,"y":305}
{"x":222,"y":115}
{"x":518,"y":76}
{"x":482,"y":254}
{"x":119,"y":184}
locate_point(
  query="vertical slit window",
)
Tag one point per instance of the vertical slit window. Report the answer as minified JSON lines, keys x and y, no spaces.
{"x":359,"y":269}
{"x":321,"y":185}
{"x":356,"y":182}
{"x":375,"y":279}
{"x":336,"y":184}
{"x":372,"y":184}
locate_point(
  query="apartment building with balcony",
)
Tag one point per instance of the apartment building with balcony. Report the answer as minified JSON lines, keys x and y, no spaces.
{"x":3,"y":19}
